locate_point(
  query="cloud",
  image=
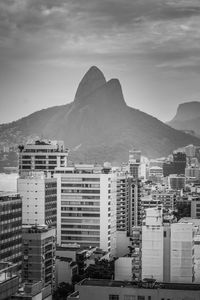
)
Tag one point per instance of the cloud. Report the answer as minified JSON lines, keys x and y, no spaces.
{"x":59,"y":30}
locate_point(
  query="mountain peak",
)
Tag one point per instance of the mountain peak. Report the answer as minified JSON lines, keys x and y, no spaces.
{"x":187,"y":111}
{"x":115,"y":92}
{"x":91,"y":81}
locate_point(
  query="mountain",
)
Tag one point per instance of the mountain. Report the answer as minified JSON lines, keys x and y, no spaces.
{"x":98,"y":125}
{"x":187,"y":118}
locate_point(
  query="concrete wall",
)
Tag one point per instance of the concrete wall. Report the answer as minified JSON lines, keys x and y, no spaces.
{"x":123,"y":268}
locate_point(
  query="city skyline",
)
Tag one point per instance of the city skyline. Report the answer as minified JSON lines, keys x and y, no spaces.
{"x":151,"y":46}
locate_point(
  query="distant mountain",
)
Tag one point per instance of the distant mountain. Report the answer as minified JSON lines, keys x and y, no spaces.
{"x":187,"y":118}
{"x":98,"y":125}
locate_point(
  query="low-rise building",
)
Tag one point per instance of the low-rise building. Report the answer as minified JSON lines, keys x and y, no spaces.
{"x":90,"y":289}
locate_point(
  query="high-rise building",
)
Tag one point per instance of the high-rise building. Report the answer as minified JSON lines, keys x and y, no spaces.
{"x":11,"y":228}
{"x":154,"y":262}
{"x":134,"y":163}
{"x":167,"y":249}
{"x":42,"y":156}
{"x":179,"y":159}
{"x":166,"y":198}
{"x":176,"y":182}
{"x":39,"y":195}
{"x":177,"y":166}
{"x":168,"y":168}
{"x":86,"y":207}
{"x":192,"y":172}
{"x":123,"y":196}
{"x":38,"y":254}
{"x":155,"y":174}
{"x":190,"y":150}
{"x":182,"y":253}
{"x":136,"y":252}
{"x":195,"y":207}
{"x":128,"y":203}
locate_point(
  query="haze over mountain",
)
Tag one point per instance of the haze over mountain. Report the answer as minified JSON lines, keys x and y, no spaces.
{"x":187,"y":118}
{"x":98,"y":125}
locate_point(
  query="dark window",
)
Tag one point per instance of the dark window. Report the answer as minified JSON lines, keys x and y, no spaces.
{"x":129,"y":297}
{"x":113,"y":297}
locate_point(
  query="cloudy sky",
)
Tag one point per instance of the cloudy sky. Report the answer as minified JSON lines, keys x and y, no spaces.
{"x":46,"y":46}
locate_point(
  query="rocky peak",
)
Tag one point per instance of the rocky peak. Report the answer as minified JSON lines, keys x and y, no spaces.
{"x":187,"y":111}
{"x":114,"y":92}
{"x":91,"y":81}
{"x":94,"y":90}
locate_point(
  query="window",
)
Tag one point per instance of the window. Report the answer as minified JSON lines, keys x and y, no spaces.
{"x":141,"y":297}
{"x":113,"y":297}
{"x":129,"y":297}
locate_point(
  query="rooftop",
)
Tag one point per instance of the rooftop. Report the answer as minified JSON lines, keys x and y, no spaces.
{"x":147,"y":283}
{"x":8,"y":196}
{"x":48,"y":145}
{"x":36,"y":229}
{"x":7,"y":271}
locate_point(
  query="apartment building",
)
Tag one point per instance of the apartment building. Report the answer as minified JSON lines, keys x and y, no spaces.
{"x":11,"y":228}
{"x":38,"y":255}
{"x":167,"y":249}
{"x":42,"y":155}
{"x":86,"y":206}
{"x":39,"y":195}
{"x":128,"y":203}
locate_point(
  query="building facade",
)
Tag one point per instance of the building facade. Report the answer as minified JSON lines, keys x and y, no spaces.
{"x":134,"y":163}
{"x":39,"y":196}
{"x":38,"y":255}
{"x":153,"y":245}
{"x":42,"y":156}
{"x":182,"y":253}
{"x":128,"y":203}
{"x":86,"y":207}
{"x":176,"y":182}
{"x":11,"y":228}
{"x":90,"y":289}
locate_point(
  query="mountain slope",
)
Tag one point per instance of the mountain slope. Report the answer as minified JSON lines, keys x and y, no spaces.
{"x":187,"y":117}
{"x":98,"y":125}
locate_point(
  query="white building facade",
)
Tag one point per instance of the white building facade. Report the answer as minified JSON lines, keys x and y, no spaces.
{"x":182,"y":253}
{"x":167,"y":249}
{"x":152,"y":245}
{"x":86,"y":207}
{"x":42,"y":155}
{"x":39,"y":195}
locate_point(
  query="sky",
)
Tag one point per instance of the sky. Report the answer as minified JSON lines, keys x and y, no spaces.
{"x":46,"y":46}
